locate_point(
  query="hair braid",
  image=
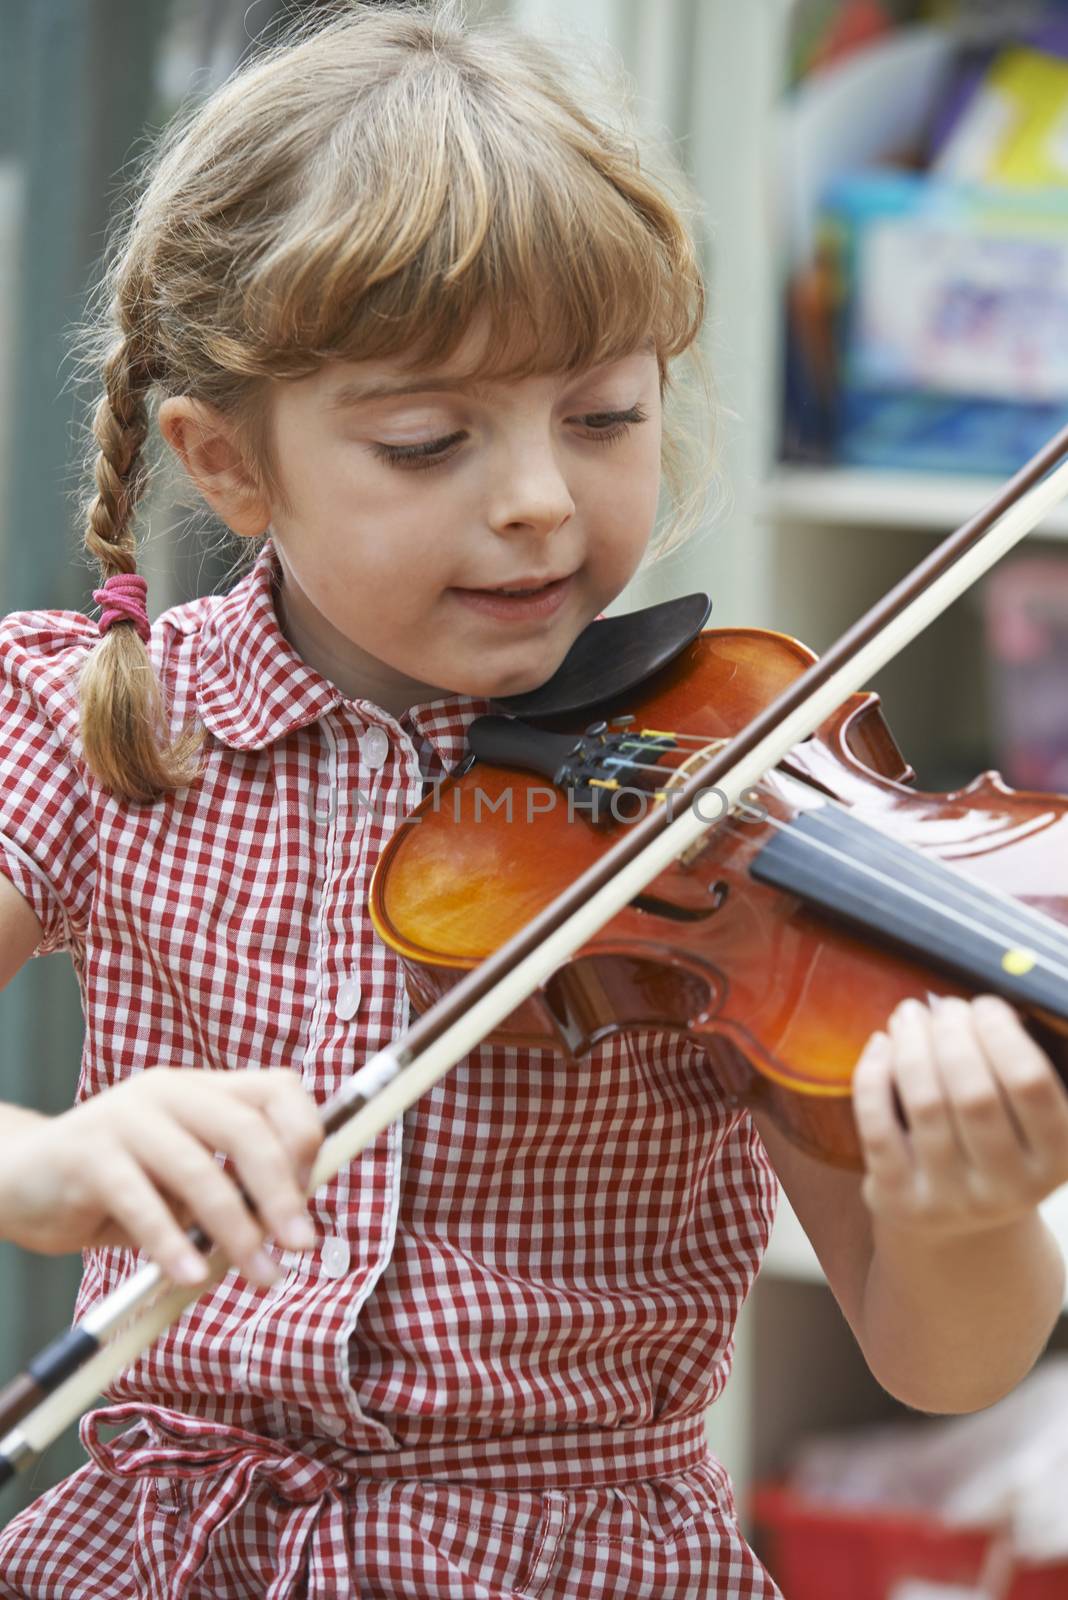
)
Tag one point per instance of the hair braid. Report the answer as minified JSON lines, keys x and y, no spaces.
{"x":120,"y":427}
{"x":122,"y":720}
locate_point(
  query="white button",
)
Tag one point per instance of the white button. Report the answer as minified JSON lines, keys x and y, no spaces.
{"x":374,"y":746}
{"x":334,"y":1426}
{"x":334,"y":1257}
{"x":348,"y":999}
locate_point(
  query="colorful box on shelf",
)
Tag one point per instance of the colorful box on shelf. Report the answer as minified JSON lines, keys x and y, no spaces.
{"x":1025,"y":604}
{"x":952,"y":321}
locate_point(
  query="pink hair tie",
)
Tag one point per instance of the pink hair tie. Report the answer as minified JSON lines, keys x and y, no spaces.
{"x":123,"y":597}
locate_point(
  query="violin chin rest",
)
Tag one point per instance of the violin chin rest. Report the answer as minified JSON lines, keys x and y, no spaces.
{"x":614,"y":655}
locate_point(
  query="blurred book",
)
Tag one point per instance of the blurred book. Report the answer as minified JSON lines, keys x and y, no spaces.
{"x":1014,"y":127}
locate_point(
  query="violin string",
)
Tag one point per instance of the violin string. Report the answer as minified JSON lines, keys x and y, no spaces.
{"x":1029,"y":920}
{"x":1038,"y":929}
{"x":1045,"y":929}
{"x":1030,"y":923}
{"x":1036,"y":922}
{"x":1033,"y":921}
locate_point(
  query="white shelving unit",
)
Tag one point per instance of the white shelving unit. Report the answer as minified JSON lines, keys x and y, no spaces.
{"x":852,"y":497}
{"x":806,"y":550}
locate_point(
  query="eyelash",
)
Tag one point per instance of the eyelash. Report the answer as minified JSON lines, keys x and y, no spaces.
{"x":418,"y":457}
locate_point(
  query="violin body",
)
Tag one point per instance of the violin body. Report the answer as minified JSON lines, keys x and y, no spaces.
{"x":781,"y":992}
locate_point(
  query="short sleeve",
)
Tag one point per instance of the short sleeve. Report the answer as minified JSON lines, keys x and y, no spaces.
{"x":47,"y":837}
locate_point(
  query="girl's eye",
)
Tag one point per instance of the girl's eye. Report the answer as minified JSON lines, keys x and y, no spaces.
{"x":428,"y":454}
{"x":603,"y":427}
{"x":608,"y":425}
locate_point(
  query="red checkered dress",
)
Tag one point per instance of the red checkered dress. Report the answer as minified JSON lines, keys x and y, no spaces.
{"x":490,"y":1378}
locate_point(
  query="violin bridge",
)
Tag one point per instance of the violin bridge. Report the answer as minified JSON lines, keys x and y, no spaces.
{"x":692,"y":852}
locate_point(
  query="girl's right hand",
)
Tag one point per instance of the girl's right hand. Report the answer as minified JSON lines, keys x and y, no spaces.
{"x":134,"y":1166}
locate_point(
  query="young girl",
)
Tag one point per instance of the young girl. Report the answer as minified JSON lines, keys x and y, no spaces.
{"x":409,"y":311}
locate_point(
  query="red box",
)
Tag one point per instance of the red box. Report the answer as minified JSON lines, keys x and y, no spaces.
{"x":820,"y":1552}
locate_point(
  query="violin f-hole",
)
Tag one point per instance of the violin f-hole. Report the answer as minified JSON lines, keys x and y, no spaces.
{"x":596,"y":996}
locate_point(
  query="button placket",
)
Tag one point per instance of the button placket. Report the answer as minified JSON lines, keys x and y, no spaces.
{"x":321,"y":844}
{"x":337,"y":1260}
{"x":327,"y":845}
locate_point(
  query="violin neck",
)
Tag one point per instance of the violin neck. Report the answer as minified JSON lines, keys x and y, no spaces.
{"x":840,"y":865}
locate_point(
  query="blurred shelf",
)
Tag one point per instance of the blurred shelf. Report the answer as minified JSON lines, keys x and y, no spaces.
{"x":859,"y":497}
{"x":790,"y":1255}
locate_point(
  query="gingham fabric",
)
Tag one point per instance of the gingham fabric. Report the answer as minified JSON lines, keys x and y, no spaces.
{"x":490,"y":1377}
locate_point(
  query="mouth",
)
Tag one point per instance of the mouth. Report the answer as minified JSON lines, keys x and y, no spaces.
{"x":530,"y":597}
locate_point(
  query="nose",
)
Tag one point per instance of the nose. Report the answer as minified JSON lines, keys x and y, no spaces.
{"x":529,"y":492}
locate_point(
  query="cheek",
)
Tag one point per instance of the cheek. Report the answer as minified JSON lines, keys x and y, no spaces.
{"x":378,"y":572}
{"x":355,"y":524}
{"x":628,"y":503}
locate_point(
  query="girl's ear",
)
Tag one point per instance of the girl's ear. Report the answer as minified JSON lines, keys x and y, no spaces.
{"x":206,"y":445}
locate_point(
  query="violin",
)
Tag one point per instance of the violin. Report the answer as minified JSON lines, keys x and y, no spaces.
{"x":782,"y":940}
{"x":780,"y":932}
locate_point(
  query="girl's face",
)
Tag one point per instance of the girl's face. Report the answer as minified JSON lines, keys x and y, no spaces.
{"x":409,"y":503}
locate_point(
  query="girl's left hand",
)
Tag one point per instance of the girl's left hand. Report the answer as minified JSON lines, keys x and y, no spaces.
{"x":987,"y":1115}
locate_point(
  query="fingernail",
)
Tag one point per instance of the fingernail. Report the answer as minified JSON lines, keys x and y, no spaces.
{"x":189,"y":1268}
{"x":263,"y":1267}
{"x":298,"y":1233}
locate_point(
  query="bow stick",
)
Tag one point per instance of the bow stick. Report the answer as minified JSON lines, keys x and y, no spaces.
{"x":68,"y":1375}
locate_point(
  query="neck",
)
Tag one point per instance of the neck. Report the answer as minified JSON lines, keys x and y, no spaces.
{"x":358,"y":675}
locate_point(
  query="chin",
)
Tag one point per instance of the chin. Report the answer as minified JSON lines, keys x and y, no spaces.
{"x":497,"y":679}
{"x":502,"y":685}
{"x":494,"y":688}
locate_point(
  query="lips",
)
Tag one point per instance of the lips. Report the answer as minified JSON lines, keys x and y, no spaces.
{"x":521,"y":585}
{"x":507,"y":604}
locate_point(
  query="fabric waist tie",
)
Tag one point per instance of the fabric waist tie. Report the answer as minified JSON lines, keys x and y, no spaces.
{"x":317,"y":1477}
{"x":584,"y":1459}
{"x":231,"y":1464}
{"x":581,"y":1459}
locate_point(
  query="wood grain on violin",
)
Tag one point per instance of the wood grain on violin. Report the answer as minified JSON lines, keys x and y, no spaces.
{"x":787,"y":938}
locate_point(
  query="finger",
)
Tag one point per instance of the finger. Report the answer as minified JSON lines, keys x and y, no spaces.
{"x":985,"y":1126}
{"x":1035,"y":1093}
{"x":143,"y":1216}
{"x":932,"y":1133}
{"x":242,"y":1131}
{"x":295,"y":1115}
{"x":884,"y":1143}
{"x":183,"y":1165}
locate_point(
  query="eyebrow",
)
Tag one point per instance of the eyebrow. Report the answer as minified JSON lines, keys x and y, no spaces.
{"x":356,"y":393}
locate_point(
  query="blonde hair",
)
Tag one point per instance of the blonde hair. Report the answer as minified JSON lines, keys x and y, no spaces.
{"x":364,"y":189}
